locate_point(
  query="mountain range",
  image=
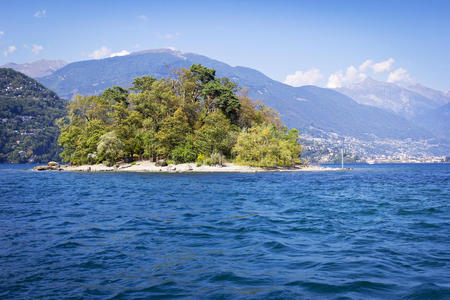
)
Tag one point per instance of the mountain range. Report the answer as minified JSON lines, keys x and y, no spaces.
{"x":319,"y":113}
{"x":37,"y":68}
{"x":419,"y":104}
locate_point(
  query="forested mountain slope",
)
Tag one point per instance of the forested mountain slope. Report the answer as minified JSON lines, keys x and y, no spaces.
{"x":28,"y":112}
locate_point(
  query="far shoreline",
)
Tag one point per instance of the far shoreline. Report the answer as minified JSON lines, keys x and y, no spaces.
{"x":145,"y":166}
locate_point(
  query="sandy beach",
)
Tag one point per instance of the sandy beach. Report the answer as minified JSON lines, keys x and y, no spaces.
{"x":148,"y":166}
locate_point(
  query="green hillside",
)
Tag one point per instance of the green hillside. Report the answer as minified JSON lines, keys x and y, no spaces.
{"x":28,"y":112}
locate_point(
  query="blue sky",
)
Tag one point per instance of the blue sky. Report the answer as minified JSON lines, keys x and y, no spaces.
{"x":312,"y":41}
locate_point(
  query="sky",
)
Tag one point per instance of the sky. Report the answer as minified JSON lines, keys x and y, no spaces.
{"x":326,"y":43}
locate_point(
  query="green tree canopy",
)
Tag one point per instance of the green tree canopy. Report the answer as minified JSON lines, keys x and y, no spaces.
{"x":109,"y":147}
{"x":179,"y":118}
{"x":266,"y":146}
{"x":203,"y":74}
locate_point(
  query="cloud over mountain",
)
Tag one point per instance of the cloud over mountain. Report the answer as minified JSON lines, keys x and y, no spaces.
{"x":353,"y":75}
{"x":105,"y":52}
{"x":399,"y":75}
{"x":350,"y":75}
{"x":299,"y":78}
{"x":379,"y":67}
{"x":339,"y":79}
{"x":120,"y":53}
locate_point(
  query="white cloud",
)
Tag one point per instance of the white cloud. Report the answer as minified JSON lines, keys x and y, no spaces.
{"x":143,"y":17}
{"x":383,"y":66}
{"x":103,"y":52}
{"x":36,"y":49}
{"x":40,"y":13}
{"x":299,"y":78}
{"x":1,"y":33}
{"x":399,"y":75}
{"x":10,"y":50}
{"x":366,"y":65}
{"x":340,"y":79}
{"x":120,"y":53}
{"x":379,"y":67}
{"x":353,"y":75}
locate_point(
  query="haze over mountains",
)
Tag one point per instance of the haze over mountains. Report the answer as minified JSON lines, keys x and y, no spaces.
{"x":438,"y":97}
{"x":37,"y":68}
{"x":417,"y":103}
{"x":372,"y":122}
{"x":407,"y":102}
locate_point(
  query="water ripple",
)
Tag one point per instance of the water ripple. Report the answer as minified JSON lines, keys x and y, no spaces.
{"x":376,"y":232}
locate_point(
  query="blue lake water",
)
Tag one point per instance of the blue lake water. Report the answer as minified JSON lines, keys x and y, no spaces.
{"x":380,"y":231}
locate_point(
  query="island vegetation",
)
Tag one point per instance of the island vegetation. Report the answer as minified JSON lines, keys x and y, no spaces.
{"x":190,"y":116}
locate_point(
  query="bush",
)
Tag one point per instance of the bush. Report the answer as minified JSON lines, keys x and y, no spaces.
{"x":201,"y":158}
{"x":217,"y":159}
{"x":110,"y":147}
{"x":92,"y":158}
{"x":183,"y":154}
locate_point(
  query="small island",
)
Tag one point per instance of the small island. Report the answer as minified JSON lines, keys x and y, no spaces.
{"x":189,"y":121}
{"x":162,"y":167}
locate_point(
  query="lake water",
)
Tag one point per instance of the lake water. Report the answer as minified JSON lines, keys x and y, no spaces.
{"x":380,"y":231}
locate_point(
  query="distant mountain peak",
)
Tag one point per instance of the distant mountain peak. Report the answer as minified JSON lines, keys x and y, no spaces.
{"x":370,"y":80}
{"x":439,"y":97}
{"x":365,"y":83}
{"x":36,"y":69}
{"x":161,"y":50}
{"x":407,"y":102}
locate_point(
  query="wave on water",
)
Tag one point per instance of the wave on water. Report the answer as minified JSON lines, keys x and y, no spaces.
{"x":379,"y":231}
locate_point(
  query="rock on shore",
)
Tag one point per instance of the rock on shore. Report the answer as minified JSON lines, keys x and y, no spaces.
{"x":51,"y":166}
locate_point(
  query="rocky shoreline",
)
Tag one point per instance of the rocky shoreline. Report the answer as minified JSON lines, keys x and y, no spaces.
{"x":155,"y":167}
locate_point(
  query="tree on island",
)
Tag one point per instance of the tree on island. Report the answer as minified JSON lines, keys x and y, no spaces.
{"x":192,"y":116}
{"x":266,"y":146}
